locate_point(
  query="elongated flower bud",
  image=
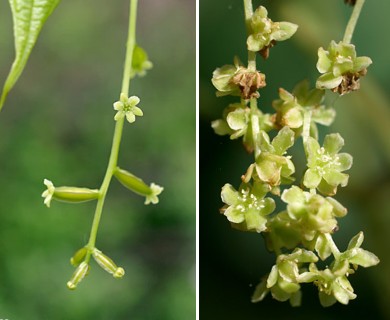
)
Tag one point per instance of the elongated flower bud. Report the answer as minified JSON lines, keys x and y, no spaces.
{"x":78,"y":257}
{"x":68,"y":194}
{"x":138,"y":186}
{"x":107,"y":264}
{"x":78,"y":275}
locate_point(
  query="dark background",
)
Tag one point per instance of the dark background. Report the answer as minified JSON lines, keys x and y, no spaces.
{"x":58,"y":124}
{"x":232,"y":262}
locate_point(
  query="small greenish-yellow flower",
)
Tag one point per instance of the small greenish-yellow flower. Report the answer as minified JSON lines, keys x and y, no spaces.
{"x":48,"y":194}
{"x":247,"y":208}
{"x":68,"y":194}
{"x":340,"y":67}
{"x":236,"y":80}
{"x":78,"y":276}
{"x":127,"y":107}
{"x":326,"y":165}
{"x":155,"y":190}
{"x":107,"y":264}
{"x":332,"y":283}
{"x":314,"y":213}
{"x":283,"y":281}
{"x":290,"y":108}
{"x":265,"y":32}
{"x":237,"y":122}
{"x":272,"y":166}
{"x":138,"y":186}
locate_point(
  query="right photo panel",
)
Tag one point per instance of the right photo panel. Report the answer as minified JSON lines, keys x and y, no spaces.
{"x":294,"y":158}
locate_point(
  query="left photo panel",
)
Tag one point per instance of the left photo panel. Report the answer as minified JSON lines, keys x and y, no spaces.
{"x":98,"y":159}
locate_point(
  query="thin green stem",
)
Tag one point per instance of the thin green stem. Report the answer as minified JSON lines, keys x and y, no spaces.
{"x":306,"y":129}
{"x":352,"y":21}
{"x":255,"y":127}
{"x":112,"y":163}
{"x":248,"y":8}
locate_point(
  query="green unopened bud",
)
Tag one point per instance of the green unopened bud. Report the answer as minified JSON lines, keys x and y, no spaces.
{"x":107,"y":264}
{"x":78,"y":257}
{"x":78,"y":275}
{"x":138,"y":186}
{"x":68,"y":194}
{"x":140,"y":63}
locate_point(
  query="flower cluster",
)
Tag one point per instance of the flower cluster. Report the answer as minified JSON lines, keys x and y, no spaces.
{"x":291,"y":270}
{"x":300,"y":233}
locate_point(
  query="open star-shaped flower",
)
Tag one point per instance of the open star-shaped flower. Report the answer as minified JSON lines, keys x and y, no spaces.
{"x":246,"y":209}
{"x":340,"y":67}
{"x":326,"y":165}
{"x":127,"y":107}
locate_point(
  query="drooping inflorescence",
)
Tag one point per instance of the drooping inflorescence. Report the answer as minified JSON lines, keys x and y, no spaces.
{"x":300,"y":231}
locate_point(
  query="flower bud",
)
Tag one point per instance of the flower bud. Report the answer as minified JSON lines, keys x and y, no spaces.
{"x":78,"y":257}
{"x":68,"y":194}
{"x":138,"y":186}
{"x":107,"y":264}
{"x":78,"y":275}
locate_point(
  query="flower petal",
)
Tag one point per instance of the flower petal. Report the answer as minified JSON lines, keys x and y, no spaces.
{"x":328,"y":81}
{"x":138,"y":112}
{"x":133,"y":101}
{"x":333,"y":143}
{"x":130,"y":116}
{"x":311,"y":179}
{"x":229,"y":195}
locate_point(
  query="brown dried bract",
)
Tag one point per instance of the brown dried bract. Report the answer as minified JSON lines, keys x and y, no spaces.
{"x":265,"y":51}
{"x":350,"y":82}
{"x":249,"y":82}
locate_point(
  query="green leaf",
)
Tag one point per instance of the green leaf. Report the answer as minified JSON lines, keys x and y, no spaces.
{"x":29,"y":16}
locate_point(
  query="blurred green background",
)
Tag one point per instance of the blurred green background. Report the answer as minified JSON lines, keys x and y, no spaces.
{"x":232,"y":262}
{"x":58,"y":124}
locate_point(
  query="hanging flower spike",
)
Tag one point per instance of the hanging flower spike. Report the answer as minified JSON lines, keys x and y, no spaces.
{"x":127,"y":107}
{"x":325,"y":164}
{"x":341,"y":69}
{"x":68,"y":194}
{"x":246,"y":209}
{"x":265,"y":32}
